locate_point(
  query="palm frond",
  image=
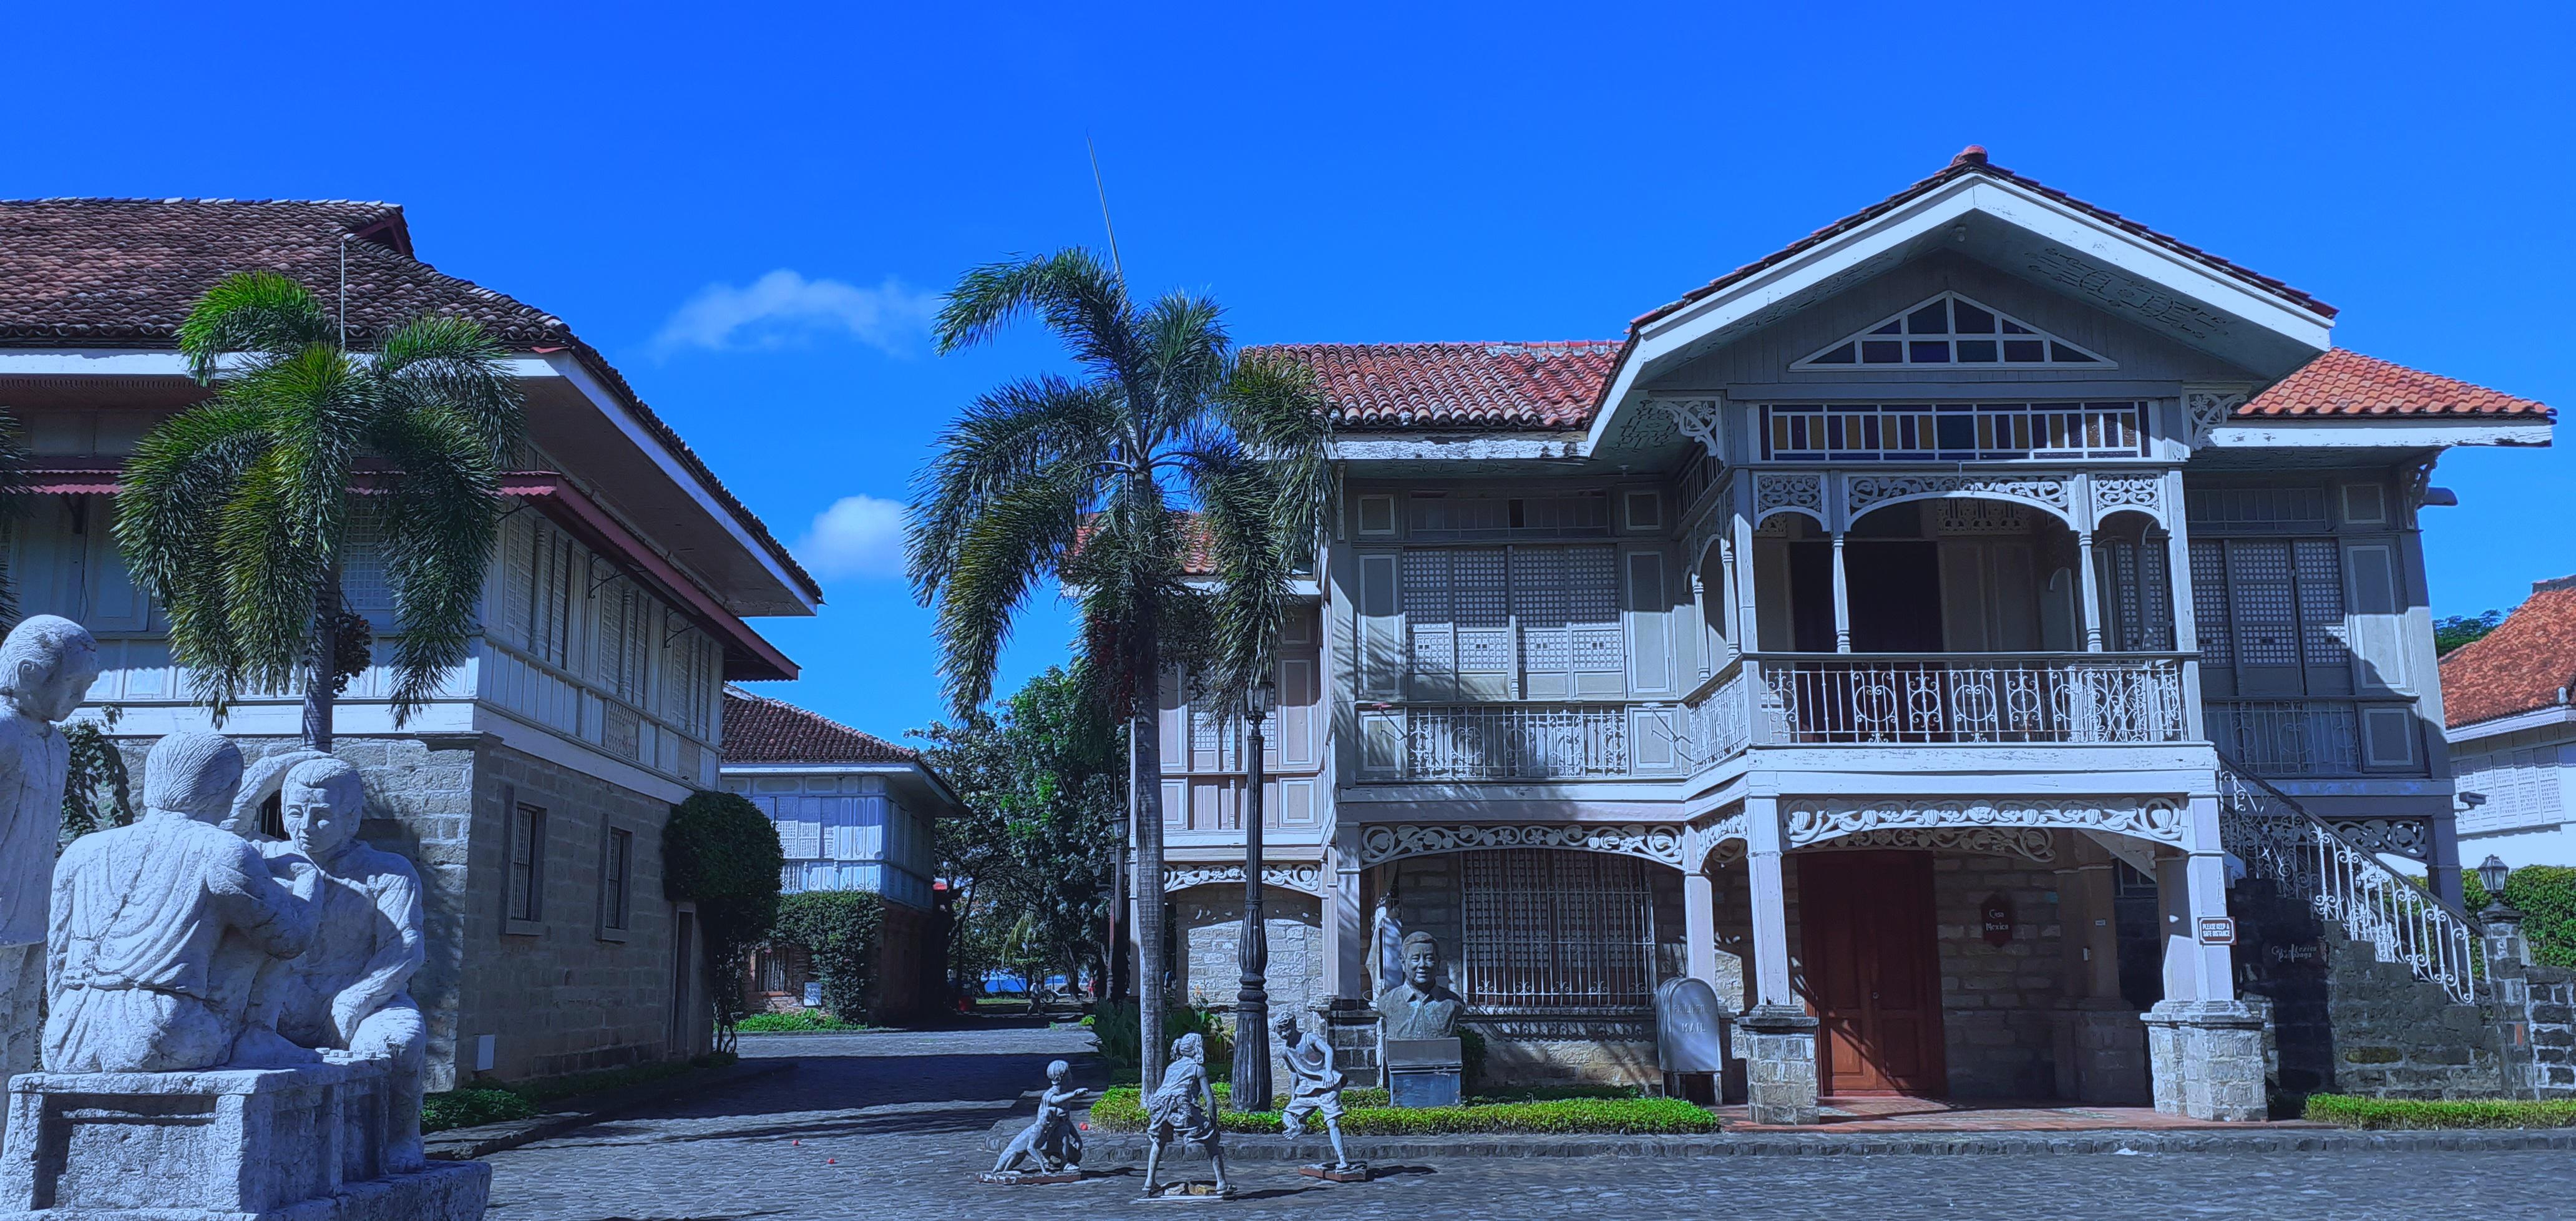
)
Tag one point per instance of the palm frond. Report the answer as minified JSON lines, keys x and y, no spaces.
{"x":1072,"y":291}
{"x":1186,"y":355}
{"x":259,"y":313}
{"x":440,"y":511}
{"x":1016,"y":539}
{"x":1003,"y":439}
{"x":451,"y":366}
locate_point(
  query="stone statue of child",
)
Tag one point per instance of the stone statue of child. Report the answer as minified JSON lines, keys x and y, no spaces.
{"x":349,"y":991}
{"x":1051,"y":1140}
{"x":157,"y":927}
{"x":1315,"y":1086}
{"x":1183,"y":1111}
{"x":46,"y":665}
{"x":1417,"y":1007}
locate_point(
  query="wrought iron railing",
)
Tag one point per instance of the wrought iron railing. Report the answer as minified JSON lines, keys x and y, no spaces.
{"x":2288,"y":737}
{"x":2281,"y":842}
{"x":1966,"y":698}
{"x":1498,"y":741}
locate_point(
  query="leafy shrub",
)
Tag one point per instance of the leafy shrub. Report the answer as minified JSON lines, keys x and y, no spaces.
{"x":795,"y":1021}
{"x":472,"y":1108}
{"x":839,"y":929}
{"x":97,"y":793}
{"x":2546,"y":897}
{"x":721,"y":853}
{"x":2380,"y":1114}
{"x":1115,"y":1028}
{"x":1120,"y":1110}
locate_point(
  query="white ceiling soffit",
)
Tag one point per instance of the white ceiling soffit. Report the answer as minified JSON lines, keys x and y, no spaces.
{"x":2027,"y":234}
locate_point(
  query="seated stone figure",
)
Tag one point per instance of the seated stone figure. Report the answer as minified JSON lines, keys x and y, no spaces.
{"x":349,"y":992}
{"x":157,"y":926}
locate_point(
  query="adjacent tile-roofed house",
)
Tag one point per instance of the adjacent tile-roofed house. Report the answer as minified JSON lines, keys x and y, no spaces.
{"x":758,"y":729}
{"x":1483,"y":386}
{"x":2527,"y":663}
{"x":2342,"y":383}
{"x":123,"y":273}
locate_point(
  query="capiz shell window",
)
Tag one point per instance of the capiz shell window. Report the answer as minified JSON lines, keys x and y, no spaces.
{"x":1952,"y":330}
{"x":1862,"y":432}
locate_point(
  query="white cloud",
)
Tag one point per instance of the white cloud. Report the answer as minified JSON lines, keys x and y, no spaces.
{"x":783,"y":306}
{"x":859,"y":536}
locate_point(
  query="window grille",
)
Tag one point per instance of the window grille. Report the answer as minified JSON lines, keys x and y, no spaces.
{"x":2319,"y":565}
{"x":1548,"y":929}
{"x":1861,"y":432}
{"x":2276,"y":509}
{"x":1951,"y":329}
{"x":363,"y":586}
{"x":2209,"y":601}
{"x":1448,"y":518}
{"x":2265,"y":619}
{"x":616,"y":865}
{"x":528,"y":864}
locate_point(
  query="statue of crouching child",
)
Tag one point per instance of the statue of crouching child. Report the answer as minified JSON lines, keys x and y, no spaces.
{"x":1051,"y":1140}
{"x":1315,"y":1088}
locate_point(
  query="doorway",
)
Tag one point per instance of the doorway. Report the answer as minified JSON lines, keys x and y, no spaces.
{"x":1873,"y":972}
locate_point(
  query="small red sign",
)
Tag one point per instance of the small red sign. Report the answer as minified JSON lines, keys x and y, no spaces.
{"x":2217,"y":930}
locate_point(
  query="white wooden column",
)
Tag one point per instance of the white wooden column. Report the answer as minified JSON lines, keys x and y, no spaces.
{"x":1729,"y":574}
{"x":2191,"y":886}
{"x":1345,"y":924}
{"x":2186,"y":613}
{"x":2092,"y":594}
{"x":1748,"y":615}
{"x":1769,"y":898}
{"x":1842,"y":599}
{"x":1699,"y":924}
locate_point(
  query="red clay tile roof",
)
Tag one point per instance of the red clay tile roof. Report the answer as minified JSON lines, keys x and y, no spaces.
{"x":1972,"y":161}
{"x":2342,"y":383}
{"x":2526,"y":663}
{"x":1484,"y":386}
{"x":758,"y":729}
{"x":123,"y":272}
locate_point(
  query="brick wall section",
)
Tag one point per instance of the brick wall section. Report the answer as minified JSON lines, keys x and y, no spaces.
{"x":1997,"y":1001}
{"x":2551,"y":1028}
{"x":1211,"y":925}
{"x":561,"y":998}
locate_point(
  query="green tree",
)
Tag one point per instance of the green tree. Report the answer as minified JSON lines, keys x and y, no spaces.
{"x":1073,"y":480}
{"x":722,"y":854}
{"x":2450,"y":632}
{"x":236,"y":512}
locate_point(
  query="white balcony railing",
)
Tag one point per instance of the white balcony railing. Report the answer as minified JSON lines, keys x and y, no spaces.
{"x":1502,"y":741}
{"x":1974,"y":698}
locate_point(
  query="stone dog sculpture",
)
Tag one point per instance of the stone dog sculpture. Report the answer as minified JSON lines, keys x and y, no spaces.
{"x":46,"y":665}
{"x":158,"y":928}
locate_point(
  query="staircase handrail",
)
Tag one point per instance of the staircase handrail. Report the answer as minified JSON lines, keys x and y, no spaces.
{"x":2279,"y":840}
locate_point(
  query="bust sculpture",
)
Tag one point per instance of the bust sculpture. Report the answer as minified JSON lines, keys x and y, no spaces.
{"x":1417,"y":1007}
{"x":46,"y":665}
{"x":349,"y":990}
{"x":157,"y":927}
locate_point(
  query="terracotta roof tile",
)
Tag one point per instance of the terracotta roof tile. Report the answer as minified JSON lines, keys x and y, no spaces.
{"x":1484,"y":386}
{"x":123,"y":272}
{"x":2342,"y":383}
{"x":2526,"y":663}
{"x":758,"y":729}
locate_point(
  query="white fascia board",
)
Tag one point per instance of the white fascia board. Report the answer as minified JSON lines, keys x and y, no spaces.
{"x":93,"y":362}
{"x":2379,"y":432}
{"x":1918,"y":218}
{"x":1457,"y":448}
{"x":568,"y":366}
{"x":2537,"y":718}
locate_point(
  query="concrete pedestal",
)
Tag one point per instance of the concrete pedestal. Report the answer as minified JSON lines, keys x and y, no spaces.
{"x":1350,"y":1026}
{"x":2206,"y":1059}
{"x":300,"y":1144}
{"x":1424,"y":1072}
{"x":1779,"y":1064}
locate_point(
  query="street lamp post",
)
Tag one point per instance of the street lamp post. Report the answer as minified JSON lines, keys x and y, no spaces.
{"x":1251,"y":1085}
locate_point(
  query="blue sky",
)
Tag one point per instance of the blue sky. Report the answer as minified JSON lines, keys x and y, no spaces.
{"x":752,"y":208}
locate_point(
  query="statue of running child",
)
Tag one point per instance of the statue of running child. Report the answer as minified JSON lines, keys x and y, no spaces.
{"x":1051,"y":1141}
{"x":1315,"y":1089}
{"x":1183,"y":1112}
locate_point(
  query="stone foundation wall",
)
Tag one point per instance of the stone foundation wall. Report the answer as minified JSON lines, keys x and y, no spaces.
{"x":1211,"y":928}
{"x":2344,"y":1022}
{"x":1998,"y":1002}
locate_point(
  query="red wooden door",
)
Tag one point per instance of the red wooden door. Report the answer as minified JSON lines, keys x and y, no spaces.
{"x":1873,"y":971}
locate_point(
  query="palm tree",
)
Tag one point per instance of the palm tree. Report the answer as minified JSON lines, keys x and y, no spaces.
{"x":236,"y":511}
{"x":1074,"y":480}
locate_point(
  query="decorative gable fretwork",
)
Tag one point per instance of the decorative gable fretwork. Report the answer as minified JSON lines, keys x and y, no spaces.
{"x":1952,"y":330}
{"x":1659,"y":842}
{"x":2206,"y":407}
{"x":1303,"y":877}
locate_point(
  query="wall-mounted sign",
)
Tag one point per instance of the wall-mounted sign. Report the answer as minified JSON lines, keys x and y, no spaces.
{"x":2217,"y":930}
{"x":813,"y":994}
{"x":1996,"y":914}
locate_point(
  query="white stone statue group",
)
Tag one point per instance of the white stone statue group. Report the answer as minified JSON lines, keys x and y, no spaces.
{"x":188,"y":940}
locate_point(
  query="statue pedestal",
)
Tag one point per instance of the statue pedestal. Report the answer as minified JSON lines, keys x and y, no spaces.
{"x":292,"y":1144}
{"x":1424,"y":1072}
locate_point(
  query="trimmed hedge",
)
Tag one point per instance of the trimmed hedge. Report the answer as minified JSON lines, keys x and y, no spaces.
{"x":2546,"y":896}
{"x":839,"y":929}
{"x":795,"y":1021}
{"x":1119,"y":1110}
{"x":2382,"y":1114}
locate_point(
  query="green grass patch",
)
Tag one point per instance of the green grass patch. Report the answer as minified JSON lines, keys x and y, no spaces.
{"x":1119,"y":1110}
{"x":472,"y":1108}
{"x":2385,"y":1114}
{"x":490,"y":1103}
{"x":796,"y":1021}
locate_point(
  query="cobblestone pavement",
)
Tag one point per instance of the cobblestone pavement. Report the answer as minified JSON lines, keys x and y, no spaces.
{"x":891,"y":1126}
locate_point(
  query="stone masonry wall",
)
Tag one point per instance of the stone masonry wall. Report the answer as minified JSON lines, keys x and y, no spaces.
{"x":2550,"y":1028}
{"x":563,"y":997}
{"x":1211,"y":920}
{"x":1998,"y":1002}
{"x":2344,"y":1022}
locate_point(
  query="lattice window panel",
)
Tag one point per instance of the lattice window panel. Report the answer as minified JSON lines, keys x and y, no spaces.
{"x":1480,"y":606}
{"x":1557,"y":930}
{"x":2209,"y":602}
{"x":2266,"y":618}
{"x":2266,"y":508}
{"x":1542,"y":604}
{"x":363,"y":584}
{"x":1428,"y":615}
{"x":2155,"y":587}
{"x":2319,"y":562}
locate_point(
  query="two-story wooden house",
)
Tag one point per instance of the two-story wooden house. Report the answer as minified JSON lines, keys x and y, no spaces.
{"x":531,"y":793}
{"x":1912,"y":632}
